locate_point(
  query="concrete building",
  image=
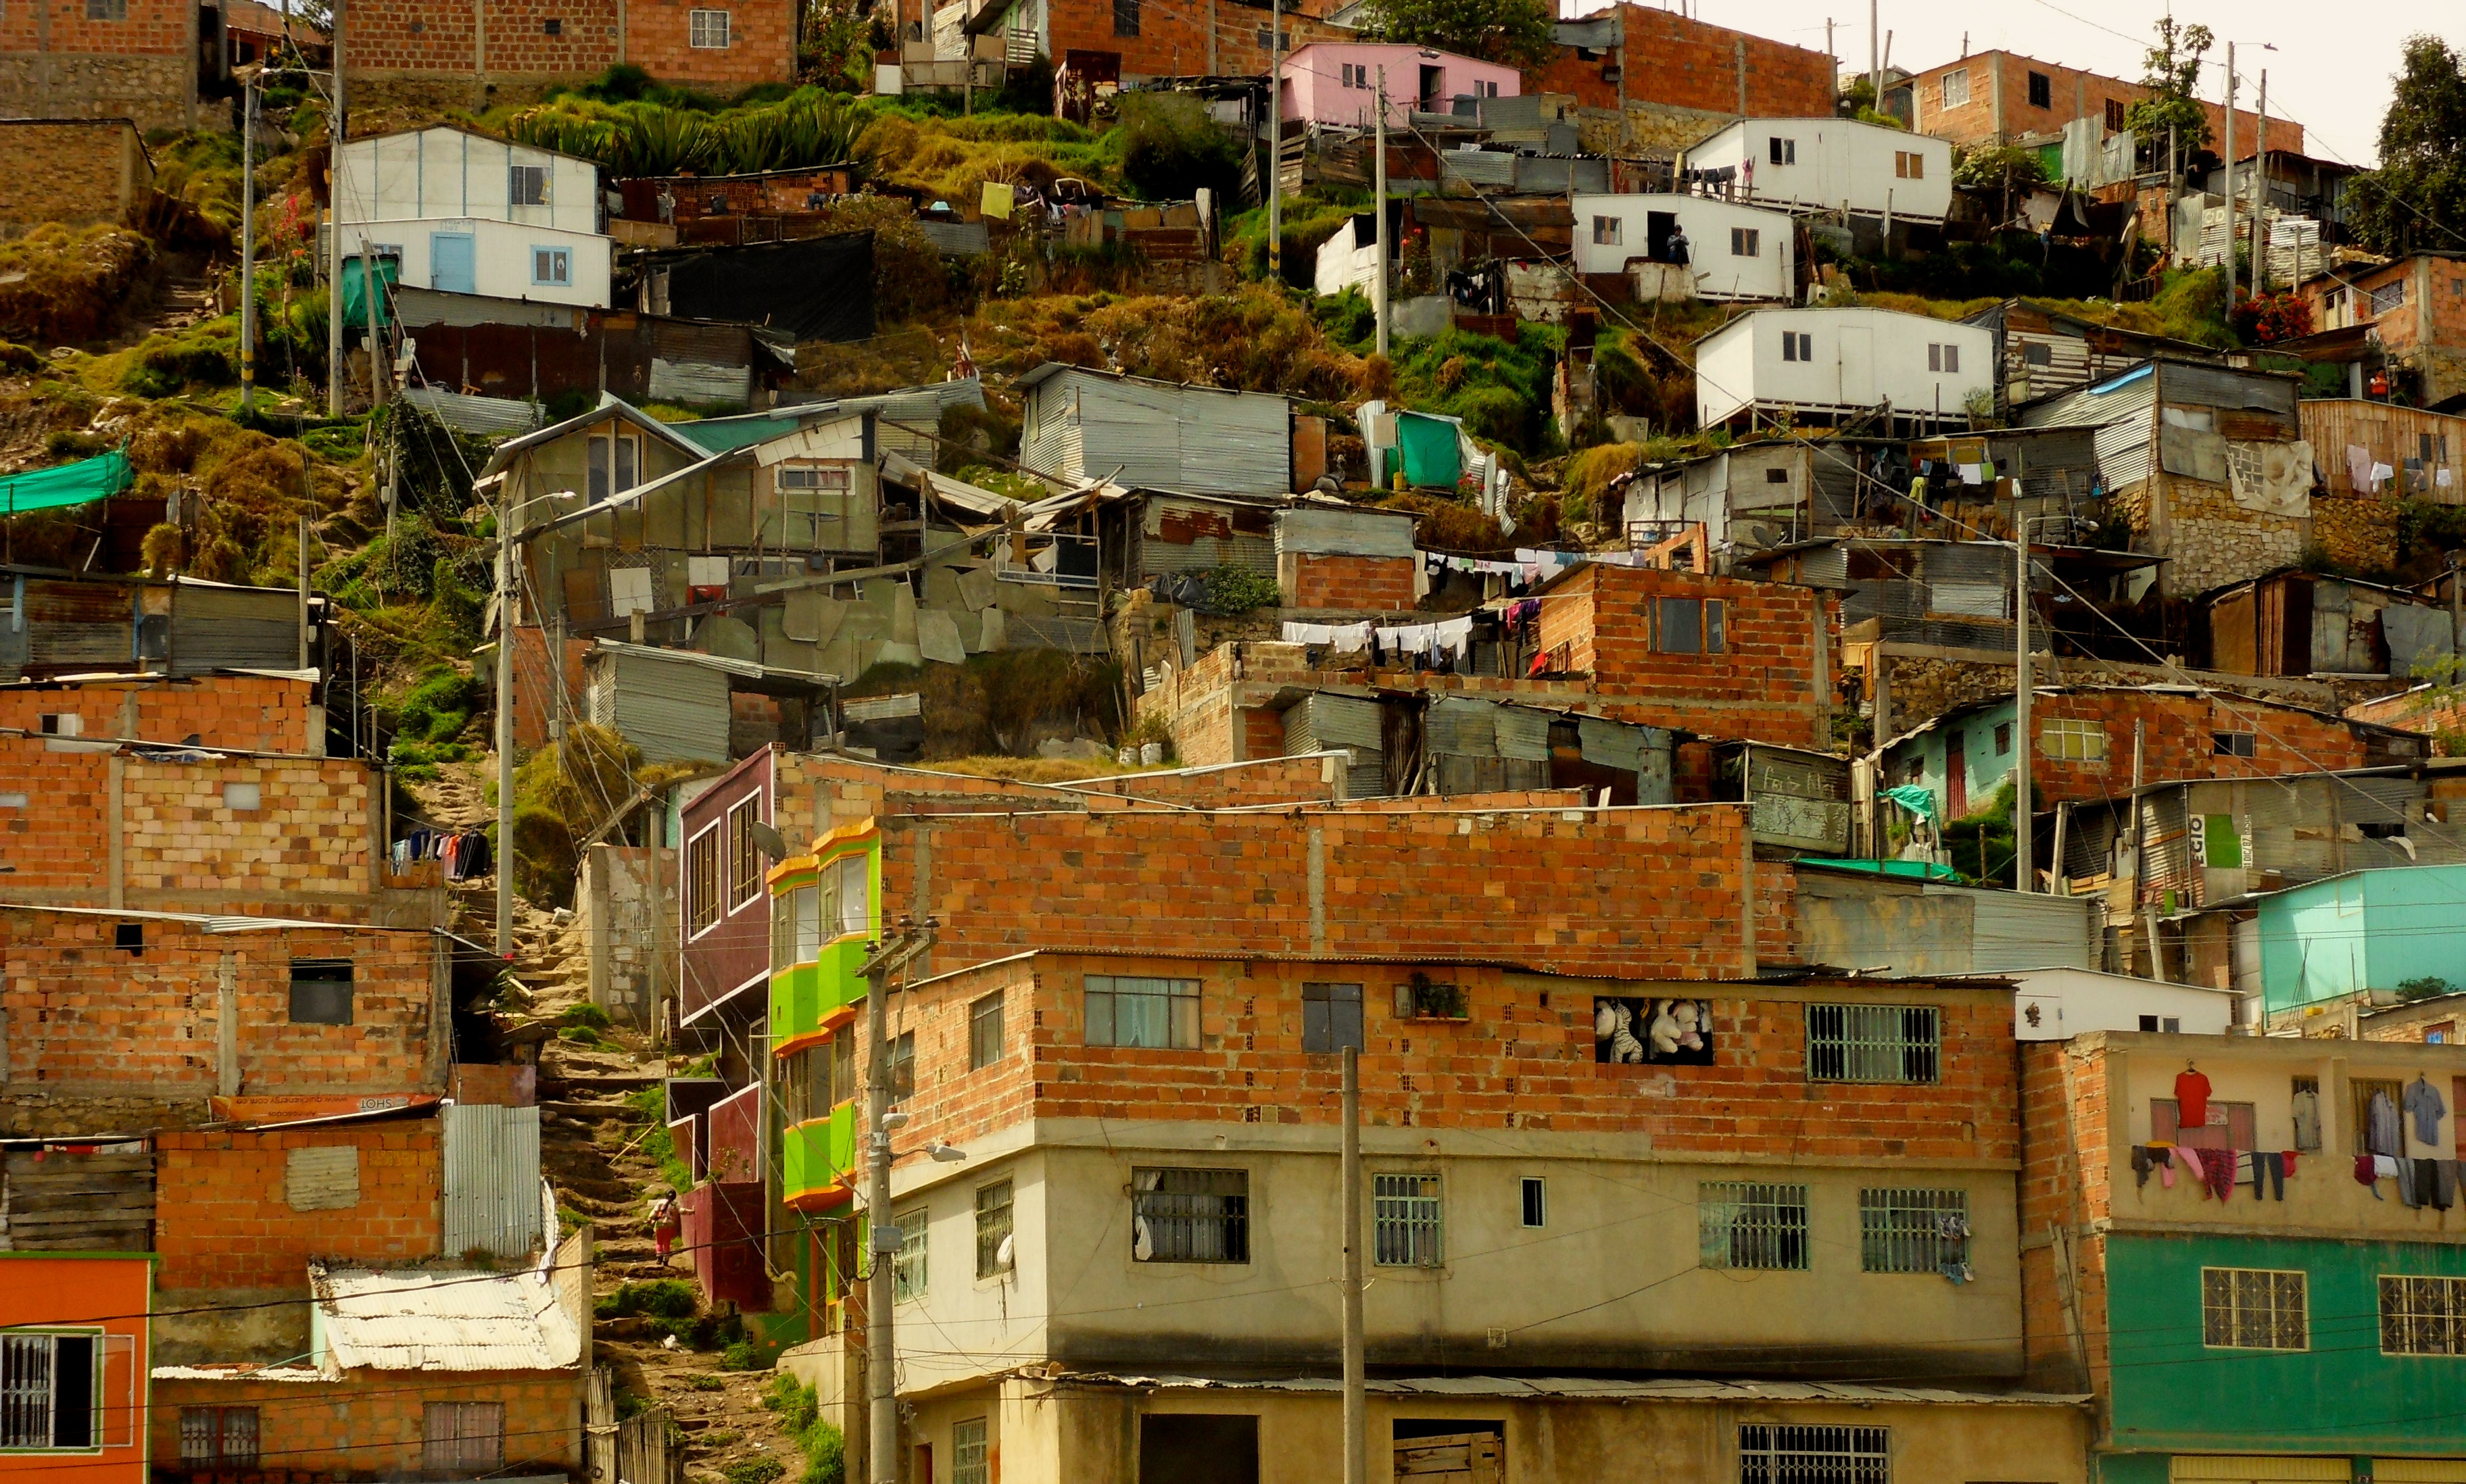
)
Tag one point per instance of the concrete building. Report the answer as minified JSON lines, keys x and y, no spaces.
{"x":2000,"y":98}
{"x":156,"y":63}
{"x":1834,"y":365}
{"x":468,"y":213}
{"x":2258,"y":1327}
{"x":1335,"y":83}
{"x":2361,"y":934}
{"x":1734,"y":252}
{"x":77,"y":1346}
{"x":2416,"y":307}
{"x":1646,"y":77}
{"x":1828,"y":163}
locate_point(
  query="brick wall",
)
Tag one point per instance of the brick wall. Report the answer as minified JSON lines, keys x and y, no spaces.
{"x":65,"y":171}
{"x":369,"y":1424}
{"x":2071,"y":93}
{"x":1368,"y":585}
{"x":1173,"y":39}
{"x":57,"y":62}
{"x":535,"y":684}
{"x":2065,"y":1174}
{"x":1770,"y":684}
{"x":626,"y":890}
{"x":248,"y":712}
{"x":2178,"y":740}
{"x":85,"y":1017}
{"x":1674,"y":62}
{"x":395,"y":39}
{"x":2443,"y":717}
{"x":223,"y":1218}
{"x":1524,"y":1057}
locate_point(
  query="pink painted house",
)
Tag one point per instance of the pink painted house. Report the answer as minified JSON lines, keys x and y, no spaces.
{"x":1336,"y":82}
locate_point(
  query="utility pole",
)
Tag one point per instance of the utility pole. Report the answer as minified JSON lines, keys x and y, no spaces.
{"x":505,"y":861}
{"x":304,"y":580}
{"x":1276,"y":142}
{"x":2024,"y":875}
{"x":248,"y":243}
{"x":2261,"y":191}
{"x":1874,"y":56}
{"x":2228,"y":237}
{"x":336,"y":132}
{"x":370,"y":290}
{"x":1356,"y":1429}
{"x":881,"y":1352}
{"x":1378,"y":300}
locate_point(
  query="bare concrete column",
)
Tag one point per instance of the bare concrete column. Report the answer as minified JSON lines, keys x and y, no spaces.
{"x":227,"y":1025}
{"x":114,"y":785}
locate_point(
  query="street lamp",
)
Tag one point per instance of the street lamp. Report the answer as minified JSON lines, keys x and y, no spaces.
{"x":2023,"y":847}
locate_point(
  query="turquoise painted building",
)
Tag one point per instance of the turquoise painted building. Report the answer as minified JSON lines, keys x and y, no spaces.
{"x":1962,"y":757}
{"x":2311,"y":1333}
{"x":2363,"y":930}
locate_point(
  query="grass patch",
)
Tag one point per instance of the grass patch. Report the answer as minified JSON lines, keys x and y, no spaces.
{"x":662,"y":1299}
{"x":656,"y":1145}
{"x":580,"y":1036}
{"x":801,"y":1417}
{"x":754,"y":1471}
{"x":586,"y":1014}
{"x":705,"y":1381}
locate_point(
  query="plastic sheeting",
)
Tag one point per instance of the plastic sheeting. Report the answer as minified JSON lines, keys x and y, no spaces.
{"x":355,"y":293}
{"x":816,"y":288}
{"x":83,"y":482}
{"x":1430,"y":450}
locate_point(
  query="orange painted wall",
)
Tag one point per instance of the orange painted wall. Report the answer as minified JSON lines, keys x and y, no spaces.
{"x":109,"y":1292}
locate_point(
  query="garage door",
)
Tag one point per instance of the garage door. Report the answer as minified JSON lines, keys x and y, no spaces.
{"x":2228,"y":1469}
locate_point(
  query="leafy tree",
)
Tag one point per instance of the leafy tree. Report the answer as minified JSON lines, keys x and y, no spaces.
{"x":2417,"y":198}
{"x":1495,"y":31}
{"x":1998,"y":168}
{"x":2171,"y":72}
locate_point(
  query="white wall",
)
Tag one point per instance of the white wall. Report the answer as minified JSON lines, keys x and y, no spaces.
{"x":1710,"y":225}
{"x":2073,"y":1001}
{"x":1835,"y":162}
{"x":1342,"y":264}
{"x":447,"y":172}
{"x":501,"y":265}
{"x":1856,"y":358}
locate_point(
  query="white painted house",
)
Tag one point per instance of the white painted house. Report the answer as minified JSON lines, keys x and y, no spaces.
{"x":1825,"y":365}
{"x":1832,"y":165}
{"x":2059,"y":1004}
{"x":471,"y":215}
{"x":1733,"y":250}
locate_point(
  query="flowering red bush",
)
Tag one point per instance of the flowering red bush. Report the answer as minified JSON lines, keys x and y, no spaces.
{"x":2267,"y":319}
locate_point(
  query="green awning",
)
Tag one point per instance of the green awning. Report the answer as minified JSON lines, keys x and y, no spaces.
{"x":1917,"y":798}
{"x":83,"y":482}
{"x":355,"y":293}
{"x":1430,"y":450}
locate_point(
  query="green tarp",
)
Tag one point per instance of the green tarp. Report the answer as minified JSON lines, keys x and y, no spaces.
{"x":1917,"y":870}
{"x":87,"y":480}
{"x":1916,"y":798}
{"x":355,"y":293}
{"x":1430,"y":450}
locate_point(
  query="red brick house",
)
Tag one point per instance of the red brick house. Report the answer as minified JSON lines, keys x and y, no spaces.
{"x":2416,"y":309}
{"x":476,"y":49}
{"x":1656,"y":79}
{"x":1990,"y":98}
{"x":143,"y":61}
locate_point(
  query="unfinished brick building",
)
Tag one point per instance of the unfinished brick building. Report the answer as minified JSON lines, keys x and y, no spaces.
{"x":1658,"y":79}
{"x":474,"y":53}
{"x":133,"y":60}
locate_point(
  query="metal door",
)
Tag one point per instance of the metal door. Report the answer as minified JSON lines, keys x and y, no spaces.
{"x":452,"y":262}
{"x":1956,"y":776}
{"x":1855,"y":382}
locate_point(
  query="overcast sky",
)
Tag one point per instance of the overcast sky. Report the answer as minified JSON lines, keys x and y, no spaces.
{"x":2331,"y":69}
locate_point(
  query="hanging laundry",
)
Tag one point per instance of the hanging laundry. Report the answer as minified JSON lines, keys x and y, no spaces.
{"x":2307,"y":1118}
{"x":2190,"y":1160}
{"x":2408,"y":1193}
{"x":2383,"y":1133}
{"x":2191,"y":1098}
{"x":2367,"y":1175}
{"x":2273,"y":1166}
{"x":2218,"y":1172}
{"x":2423,"y":1102}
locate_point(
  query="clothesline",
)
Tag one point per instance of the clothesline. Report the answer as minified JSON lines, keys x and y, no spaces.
{"x":465,"y":854}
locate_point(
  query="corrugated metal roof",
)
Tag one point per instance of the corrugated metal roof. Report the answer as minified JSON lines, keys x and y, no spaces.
{"x":296,"y":1374}
{"x":440,"y":1320}
{"x":465,"y":412}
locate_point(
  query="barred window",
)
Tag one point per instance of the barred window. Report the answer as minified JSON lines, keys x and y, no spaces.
{"x":1160,"y":1013}
{"x":1740,"y":1224}
{"x":1912,"y":1230}
{"x":969,"y":1453}
{"x":2423,"y":1316}
{"x":47,"y":1390}
{"x":1190,"y":1215}
{"x":1871,"y":1043}
{"x":1769,"y":1454}
{"x":1404,"y":1221}
{"x":985,"y":1031}
{"x":218,"y":1437}
{"x":2252,"y":1309}
{"x":994,"y":1258}
{"x":907,"y":1269}
{"x":701,"y":881}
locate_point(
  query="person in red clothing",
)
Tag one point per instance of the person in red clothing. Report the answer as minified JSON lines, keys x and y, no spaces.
{"x":2191,"y":1098}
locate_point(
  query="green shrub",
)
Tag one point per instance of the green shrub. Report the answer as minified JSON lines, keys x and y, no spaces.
{"x":738,"y":1357}
{"x":2425,"y":988}
{"x":580,"y":1036}
{"x":662,"y":1299}
{"x":801,"y":1416}
{"x":705,"y":1382}
{"x":584,"y":1014}
{"x":1236,"y":589}
{"x":754,"y":1471}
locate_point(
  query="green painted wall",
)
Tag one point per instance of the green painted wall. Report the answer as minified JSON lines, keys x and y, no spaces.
{"x":2170,"y":1393}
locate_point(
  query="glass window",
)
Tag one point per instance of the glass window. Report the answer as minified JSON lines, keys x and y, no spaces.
{"x":1912,"y":1230}
{"x":709,"y":30}
{"x":106,"y":9}
{"x":321,"y":991}
{"x":813,"y":506}
{"x":744,"y":853}
{"x":1536,"y":1206}
{"x":552,"y":266}
{"x":1190,"y":1215}
{"x":1782,"y":151}
{"x":2071,"y":741}
{"x":2252,"y":1309}
{"x":1331,"y":1017}
{"x":47,"y":1391}
{"x":985,"y":1031}
{"x":701,"y":880}
{"x":614,"y":464}
{"x":1157,"y":1013}
{"x":2042,"y":90}
{"x":1814,"y":1454}
{"x":218,"y":1437}
{"x":852,"y":892}
{"x":1608,"y":231}
{"x":903,"y":1066}
{"x":1743,"y":1225}
{"x":526,"y":185}
{"x":994,"y":1255}
{"x":2423,"y":1316}
{"x":796,"y":927}
{"x":1690,"y":626}
{"x":1746,"y":242}
{"x":2232,"y":745}
{"x":2115,"y":123}
{"x":907,"y":1269}
{"x":968,"y":1453}
{"x":1404,"y":1221}
{"x":1871,"y":1043}
{"x":1126,"y":17}
{"x":1956,"y":87}
{"x":2003,"y":739}
{"x":464,"y":1437}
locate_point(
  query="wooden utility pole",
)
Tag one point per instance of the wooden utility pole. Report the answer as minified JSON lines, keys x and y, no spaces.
{"x":2228,"y":237}
{"x":335,"y":134}
{"x":1356,"y":1430}
{"x":247,"y":242}
{"x":1276,"y":142}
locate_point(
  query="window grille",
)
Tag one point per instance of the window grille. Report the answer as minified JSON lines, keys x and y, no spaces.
{"x":2423,"y":1316}
{"x":969,"y":1453}
{"x":24,"y":1391}
{"x":1769,"y":1454}
{"x":218,"y":1437}
{"x":744,"y":854}
{"x":1126,"y":17}
{"x":1158,"y":1014}
{"x":993,"y":1228}
{"x":1743,"y":1225}
{"x":701,"y":881}
{"x":908,"y":1269}
{"x":2388,"y":297}
{"x":1912,"y":1230}
{"x":2252,"y":1309}
{"x":1331,"y":1017}
{"x":985,"y":1031}
{"x":1404,"y":1221}
{"x":1190,"y":1215}
{"x":1871,"y":1043}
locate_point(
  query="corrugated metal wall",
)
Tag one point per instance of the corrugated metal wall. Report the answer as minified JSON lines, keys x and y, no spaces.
{"x":492,"y":1180}
{"x":234,"y":628}
{"x":1194,"y":439}
{"x":675,"y":710}
{"x":1329,"y":532}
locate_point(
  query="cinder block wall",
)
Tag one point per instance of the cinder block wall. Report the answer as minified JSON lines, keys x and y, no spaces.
{"x":63,"y":170}
{"x":1771,"y":683}
{"x":249,"y":713}
{"x":223,"y":1218}
{"x":2064,"y":1175}
{"x":1674,"y":60}
{"x":68,"y":64}
{"x":391,"y":41}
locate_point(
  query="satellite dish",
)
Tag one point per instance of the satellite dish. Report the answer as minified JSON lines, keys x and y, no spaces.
{"x":769,"y":841}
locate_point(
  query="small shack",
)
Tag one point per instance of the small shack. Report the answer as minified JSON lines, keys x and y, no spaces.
{"x":1081,"y":426}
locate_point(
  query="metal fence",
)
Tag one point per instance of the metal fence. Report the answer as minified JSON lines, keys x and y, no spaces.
{"x":1814,"y":1454}
{"x":1190,"y":1215}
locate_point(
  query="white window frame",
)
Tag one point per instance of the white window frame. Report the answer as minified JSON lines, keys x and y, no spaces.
{"x":702,"y":24}
{"x":612,"y":465}
{"x":23,"y":1396}
{"x":1609,"y":231}
{"x":2072,"y":740}
{"x":559,"y":263}
{"x":1955,"y":88}
{"x":1780,"y":149}
{"x":971,"y":1451}
{"x":716,"y":876}
{"x":816,"y":500}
